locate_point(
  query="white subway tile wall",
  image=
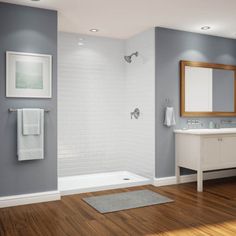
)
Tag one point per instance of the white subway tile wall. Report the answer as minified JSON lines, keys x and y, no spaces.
{"x":96,"y":92}
{"x":140,"y":93}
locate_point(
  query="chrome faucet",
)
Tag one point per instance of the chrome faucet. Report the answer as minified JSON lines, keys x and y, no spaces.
{"x":194,"y":124}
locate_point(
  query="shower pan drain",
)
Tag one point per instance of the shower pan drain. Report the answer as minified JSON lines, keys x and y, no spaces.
{"x":126,"y":179}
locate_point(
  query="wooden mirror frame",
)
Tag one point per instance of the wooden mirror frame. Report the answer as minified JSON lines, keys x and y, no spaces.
{"x":184,"y":113}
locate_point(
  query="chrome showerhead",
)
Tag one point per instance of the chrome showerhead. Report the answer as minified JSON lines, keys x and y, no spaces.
{"x":129,"y":58}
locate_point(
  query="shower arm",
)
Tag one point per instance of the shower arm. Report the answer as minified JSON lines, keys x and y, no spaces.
{"x":134,"y":54}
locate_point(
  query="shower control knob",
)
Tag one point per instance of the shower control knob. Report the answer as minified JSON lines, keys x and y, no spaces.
{"x":135,"y":113}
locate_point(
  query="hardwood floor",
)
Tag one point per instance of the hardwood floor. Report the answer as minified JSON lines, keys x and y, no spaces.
{"x":192,"y":213}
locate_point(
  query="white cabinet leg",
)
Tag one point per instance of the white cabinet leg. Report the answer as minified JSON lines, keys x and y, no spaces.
{"x":177,"y":174}
{"x":199,"y":181}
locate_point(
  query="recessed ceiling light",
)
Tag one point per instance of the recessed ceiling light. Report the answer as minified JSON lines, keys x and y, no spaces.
{"x":205,"y":27}
{"x":80,"y":43}
{"x":94,"y":30}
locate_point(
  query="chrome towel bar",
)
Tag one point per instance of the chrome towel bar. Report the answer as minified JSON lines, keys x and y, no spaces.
{"x":14,"y":110}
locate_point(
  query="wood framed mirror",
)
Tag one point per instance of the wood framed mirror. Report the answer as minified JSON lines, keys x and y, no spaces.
{"x":207,"y":89}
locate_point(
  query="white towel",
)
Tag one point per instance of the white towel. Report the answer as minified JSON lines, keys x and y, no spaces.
{"x":29,"y":147}
{"x":31,"y":121}
{"x":169,"y":117}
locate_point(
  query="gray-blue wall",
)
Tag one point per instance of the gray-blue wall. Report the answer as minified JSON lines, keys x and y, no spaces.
{"x":26,"y":29}
{"x":171,"y":47}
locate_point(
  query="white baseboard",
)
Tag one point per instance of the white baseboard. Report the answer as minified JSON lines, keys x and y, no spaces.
{"x":193,"y":177}
{"x":31,"y":198}
{"x":24,"y":199}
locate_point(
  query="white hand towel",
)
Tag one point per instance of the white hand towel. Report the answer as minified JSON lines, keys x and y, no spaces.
{"x":31,"y":121}
{"x":169,"y":117}
{"x":29,"y":147}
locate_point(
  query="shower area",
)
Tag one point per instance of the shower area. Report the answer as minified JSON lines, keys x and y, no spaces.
{"x":106,"y":120}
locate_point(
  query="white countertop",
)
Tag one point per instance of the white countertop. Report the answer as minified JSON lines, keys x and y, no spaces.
{"x":206,"y":131}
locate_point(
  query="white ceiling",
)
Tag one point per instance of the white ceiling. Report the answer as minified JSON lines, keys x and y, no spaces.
{"x":124,"y":18}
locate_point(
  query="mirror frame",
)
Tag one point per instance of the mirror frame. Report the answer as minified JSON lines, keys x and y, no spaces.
{"x":184,"y":113}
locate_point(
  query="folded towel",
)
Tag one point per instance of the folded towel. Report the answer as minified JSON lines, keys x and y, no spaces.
{"x":31,"y":121}
{"x":169,"y":117}
{"x":29,"y":147}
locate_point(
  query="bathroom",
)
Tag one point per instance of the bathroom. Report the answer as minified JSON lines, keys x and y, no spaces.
{"x":105,"y":110}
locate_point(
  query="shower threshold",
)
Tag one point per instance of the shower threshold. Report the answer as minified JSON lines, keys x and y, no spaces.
{"x":102,"y":181}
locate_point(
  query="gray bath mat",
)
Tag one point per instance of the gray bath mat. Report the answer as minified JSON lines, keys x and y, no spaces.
{"x":127,"y":200}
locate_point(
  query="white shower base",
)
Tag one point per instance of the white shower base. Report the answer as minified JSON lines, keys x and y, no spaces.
{"x":97,"y":182}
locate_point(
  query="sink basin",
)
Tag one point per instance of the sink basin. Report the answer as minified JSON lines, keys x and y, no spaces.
{"x":207,"y":131}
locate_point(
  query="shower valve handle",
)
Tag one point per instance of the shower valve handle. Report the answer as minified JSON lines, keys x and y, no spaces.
{"x":135,"y":113}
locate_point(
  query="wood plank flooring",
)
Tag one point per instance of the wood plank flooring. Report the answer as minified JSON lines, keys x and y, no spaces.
{"x":192,"y":213}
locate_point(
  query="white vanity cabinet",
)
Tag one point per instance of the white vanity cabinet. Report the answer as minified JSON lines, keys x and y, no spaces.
{"x":204,"y":150}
